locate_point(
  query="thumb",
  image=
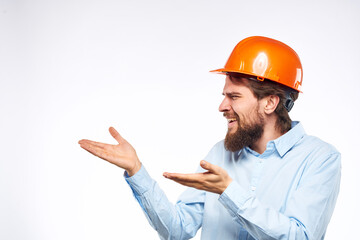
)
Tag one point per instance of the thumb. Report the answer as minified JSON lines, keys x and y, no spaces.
{"x":208,"y":166}
{"x":116,"y":135}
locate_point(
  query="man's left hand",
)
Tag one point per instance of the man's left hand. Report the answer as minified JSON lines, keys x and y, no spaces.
{"x":215,"y":180}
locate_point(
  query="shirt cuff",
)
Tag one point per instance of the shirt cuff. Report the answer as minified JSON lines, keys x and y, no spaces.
{"x":234,"y":197}
{"x":140,"y":182}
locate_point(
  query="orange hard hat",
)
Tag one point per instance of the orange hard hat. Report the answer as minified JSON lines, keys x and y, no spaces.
{"x":265,"y":58}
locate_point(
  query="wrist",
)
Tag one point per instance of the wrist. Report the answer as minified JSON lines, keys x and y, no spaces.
{"x":135,"y":169}
{"x":229,"y":180}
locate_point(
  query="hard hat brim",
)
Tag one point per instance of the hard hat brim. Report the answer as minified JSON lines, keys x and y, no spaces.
{"x":225,"y":71}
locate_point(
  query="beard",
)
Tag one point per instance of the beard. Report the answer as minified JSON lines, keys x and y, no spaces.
{"x":246,"y":133}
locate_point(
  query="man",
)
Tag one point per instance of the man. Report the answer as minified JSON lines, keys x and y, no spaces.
{"x":266,"y":180}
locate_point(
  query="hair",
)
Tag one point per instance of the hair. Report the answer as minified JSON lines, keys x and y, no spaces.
{"x":265,"y":88}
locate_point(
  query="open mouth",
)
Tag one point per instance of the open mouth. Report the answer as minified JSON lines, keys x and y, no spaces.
{"x":231,"y":120}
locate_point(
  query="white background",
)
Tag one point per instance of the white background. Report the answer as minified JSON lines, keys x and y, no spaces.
{"x":70,"y":69}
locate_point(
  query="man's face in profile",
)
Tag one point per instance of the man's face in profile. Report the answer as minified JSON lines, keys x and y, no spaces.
{"x":241,"y":109}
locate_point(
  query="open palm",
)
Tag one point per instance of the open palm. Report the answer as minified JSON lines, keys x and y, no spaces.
{"x":122,"y":155}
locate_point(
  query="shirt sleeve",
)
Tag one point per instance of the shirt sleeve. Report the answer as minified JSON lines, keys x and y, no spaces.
{"x":179,"y":221}
{"x":306,"y":214}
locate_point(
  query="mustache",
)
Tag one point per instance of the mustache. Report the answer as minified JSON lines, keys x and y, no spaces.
{"x":229,"y":115}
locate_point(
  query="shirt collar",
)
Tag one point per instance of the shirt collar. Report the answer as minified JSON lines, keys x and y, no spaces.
{"x":284,"y":143}
{"x":288,"y":140}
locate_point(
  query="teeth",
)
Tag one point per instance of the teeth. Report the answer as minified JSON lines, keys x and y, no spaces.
{"x":231,"y":119}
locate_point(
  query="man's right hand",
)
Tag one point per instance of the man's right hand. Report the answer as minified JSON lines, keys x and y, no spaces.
{"x":122,"y":155}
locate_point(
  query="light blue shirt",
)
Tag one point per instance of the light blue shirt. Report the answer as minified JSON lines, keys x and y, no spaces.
{"x":288,"y":192}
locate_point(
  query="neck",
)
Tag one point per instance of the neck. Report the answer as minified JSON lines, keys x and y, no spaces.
{"x":271,"y":132}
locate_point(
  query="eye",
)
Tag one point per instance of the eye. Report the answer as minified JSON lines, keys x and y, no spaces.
{"x":234,"y":97}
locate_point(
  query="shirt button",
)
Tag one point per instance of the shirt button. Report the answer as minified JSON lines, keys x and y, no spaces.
{"x":253,"y":188}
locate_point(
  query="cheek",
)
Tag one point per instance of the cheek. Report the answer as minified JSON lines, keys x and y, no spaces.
{"x":248,"y":114}
{"x":246,"y":108}
{"x":243,"y":112}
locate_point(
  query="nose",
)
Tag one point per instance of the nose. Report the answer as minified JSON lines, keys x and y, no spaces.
{"x":225,"y":105}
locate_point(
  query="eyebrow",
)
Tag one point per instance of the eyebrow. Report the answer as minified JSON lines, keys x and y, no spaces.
{"x":231,"y":93}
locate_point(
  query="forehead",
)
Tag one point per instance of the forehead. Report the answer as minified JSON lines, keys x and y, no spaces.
{"x":239,"y":85}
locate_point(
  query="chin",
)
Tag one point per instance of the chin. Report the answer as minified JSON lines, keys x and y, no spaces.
{"x":232,"y":130}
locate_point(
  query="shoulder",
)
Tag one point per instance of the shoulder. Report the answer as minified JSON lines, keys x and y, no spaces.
{"x":317,"y":153}
{"x":316,"y":145}
{"x":308,"y":143}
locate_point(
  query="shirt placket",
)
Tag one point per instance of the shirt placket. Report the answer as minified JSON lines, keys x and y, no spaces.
{"x":258,"y":166}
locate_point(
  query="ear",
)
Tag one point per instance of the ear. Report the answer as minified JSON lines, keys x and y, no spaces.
{"x":271,"y":102}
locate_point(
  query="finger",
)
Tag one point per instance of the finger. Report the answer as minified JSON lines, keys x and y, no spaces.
{"x":208,"y":166}
{"x":90,"y":147}
{"x":190,"y":178}
{"x":187,"y":184}
{"x":93,"y":143}
{"x":116,"y":135}
{"x":196,"y":185}
{"x":96,"y":150}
